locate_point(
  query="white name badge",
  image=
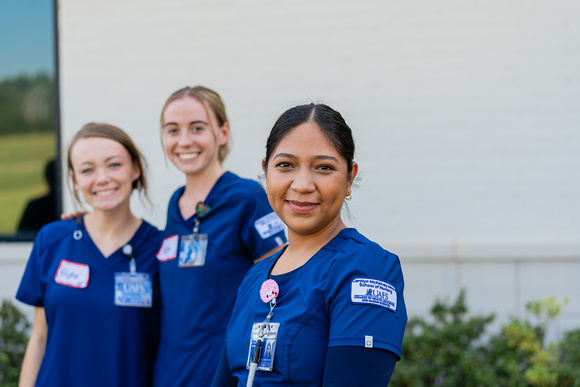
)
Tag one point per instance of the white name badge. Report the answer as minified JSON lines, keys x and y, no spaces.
{"x":269,"y":225}
{"x":192,"y":250}
{"x":268,"y":345}
{"x":373,"y":292}
{"x":72,"y":274}
{"x":133,"y":289}
{"x":168,"y":249}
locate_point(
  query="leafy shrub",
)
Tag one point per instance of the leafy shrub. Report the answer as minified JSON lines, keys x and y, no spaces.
{"x":14,"y":329}
{"x":450,"y":349}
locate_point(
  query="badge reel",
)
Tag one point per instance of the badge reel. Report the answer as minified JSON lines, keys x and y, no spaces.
{"x":193,"y":247}
{"x":132,"y":288}
{"x":264,"y":335}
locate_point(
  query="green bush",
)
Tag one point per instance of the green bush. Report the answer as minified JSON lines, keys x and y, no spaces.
{"x":14,"y":328}
{"x":451,"y":348}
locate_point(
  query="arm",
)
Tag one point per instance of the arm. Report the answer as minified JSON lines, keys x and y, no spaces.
{"x":34,"y":350}
{"x":358,"y":366}
{"x":223,"y":376}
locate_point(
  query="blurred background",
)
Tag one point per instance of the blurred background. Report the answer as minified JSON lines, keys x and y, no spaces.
{"x":466,"y":118}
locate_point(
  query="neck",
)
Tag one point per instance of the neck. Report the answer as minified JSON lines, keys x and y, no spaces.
{"x":197,"y":187}
{"x":302,"y":247}
{"x":110,"y":230}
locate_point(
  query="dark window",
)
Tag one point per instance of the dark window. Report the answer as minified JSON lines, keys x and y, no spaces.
{"x":30,"y":189}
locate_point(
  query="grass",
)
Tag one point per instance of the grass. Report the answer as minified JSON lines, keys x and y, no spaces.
{"x":22,"y":162}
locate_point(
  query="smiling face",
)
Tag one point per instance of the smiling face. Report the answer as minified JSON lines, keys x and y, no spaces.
{"x":192,"y":136}
{"x":307,"y":181}
{"x":103,"y":172}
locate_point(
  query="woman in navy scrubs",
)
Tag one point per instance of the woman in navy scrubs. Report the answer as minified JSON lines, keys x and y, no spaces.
{"x":93,"y":280}
{"x":218,"y":225}
{"x":328,"y":309}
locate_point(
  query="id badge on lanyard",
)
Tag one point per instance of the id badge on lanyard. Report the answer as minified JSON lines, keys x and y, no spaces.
{"x":267,"y":333}
{"x":193,"y":247}
{"x":132,"y":288}
{"x":264,"y":335}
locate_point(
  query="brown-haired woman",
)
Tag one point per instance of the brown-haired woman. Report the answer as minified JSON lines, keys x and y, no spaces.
{"x":93,"y":280}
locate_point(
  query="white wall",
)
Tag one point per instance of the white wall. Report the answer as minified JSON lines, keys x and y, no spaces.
{"x":465,"y":115}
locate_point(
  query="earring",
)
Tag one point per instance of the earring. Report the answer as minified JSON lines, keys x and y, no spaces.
{"x":348,"y":197}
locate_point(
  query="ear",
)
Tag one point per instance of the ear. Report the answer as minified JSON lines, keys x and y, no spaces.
{"x":352,"y":176}
{"x":136,"y":172}
{"x":264,"y":165}
{"x":224,"y":133}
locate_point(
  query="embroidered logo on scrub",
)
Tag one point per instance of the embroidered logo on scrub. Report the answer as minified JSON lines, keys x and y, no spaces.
{"x":168,"y":249}
{"x":72,"y":274}
{"x":269,"y":225}
{"x":373,"y":292}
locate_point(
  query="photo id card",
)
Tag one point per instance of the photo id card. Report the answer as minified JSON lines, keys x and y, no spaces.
{"x":268,"y":346}
{"x":133,"y":289}
{"x":192,"y":250}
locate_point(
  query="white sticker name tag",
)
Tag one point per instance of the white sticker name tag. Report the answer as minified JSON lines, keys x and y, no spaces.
{"x":168,"y":249}
{"x":373,"y":292}
{"x":269,"y":225}
{"x":72,"y":274}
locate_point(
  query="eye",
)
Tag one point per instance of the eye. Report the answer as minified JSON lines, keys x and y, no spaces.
{"x":326,"y":167}
{"x":171,"y":130}
{"x":198,"y":128}
{"x":85,"y":171}
{"x":115,"y":165}
{"x":283,"y":164}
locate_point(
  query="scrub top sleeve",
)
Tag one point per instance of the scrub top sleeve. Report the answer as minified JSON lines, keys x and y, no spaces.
{"x":365,"y":301}
{"x":31,"y":289}
{"x":261,"y":230}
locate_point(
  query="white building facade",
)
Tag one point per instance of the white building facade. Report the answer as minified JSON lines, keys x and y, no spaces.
{"x":466,"y":117}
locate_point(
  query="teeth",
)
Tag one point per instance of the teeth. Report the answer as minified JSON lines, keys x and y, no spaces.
{"x":188,"y":156}
{"x":103,"y":193}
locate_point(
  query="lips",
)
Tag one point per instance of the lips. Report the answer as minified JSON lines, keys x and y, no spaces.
{"x":301,"y":207}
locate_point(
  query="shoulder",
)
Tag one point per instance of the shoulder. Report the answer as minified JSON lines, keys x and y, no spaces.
{"x":148,"y":228}
{"x":355,"y":255}
{"x":54,"y":232}
{"x":149,"y":234}
{"x":349,"y":243}
{"x":234,"y":185}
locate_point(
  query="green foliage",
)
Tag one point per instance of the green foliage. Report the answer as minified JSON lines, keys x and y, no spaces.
{"x":14,"y":329}
{"x":22,"y":162}
{"x":27,"y":104}
{"x":569,"y":365}
{"x":452,"y":349}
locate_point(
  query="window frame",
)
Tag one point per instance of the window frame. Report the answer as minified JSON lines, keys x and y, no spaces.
{"x":29,"y":236}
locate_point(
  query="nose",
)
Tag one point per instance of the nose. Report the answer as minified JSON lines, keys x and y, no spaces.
{"x":102,"y":176}
{"x":303,"y":181}
{"x":184,"y":140}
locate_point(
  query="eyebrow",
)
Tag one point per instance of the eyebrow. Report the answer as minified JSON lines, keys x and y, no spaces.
{"x":106,"y":160}
{"x":191,"y":123}
{"x":291,"y":156}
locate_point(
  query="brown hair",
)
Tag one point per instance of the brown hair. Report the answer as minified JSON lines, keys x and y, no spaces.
{"x":209,"y":99}
{"x":116,"y":134}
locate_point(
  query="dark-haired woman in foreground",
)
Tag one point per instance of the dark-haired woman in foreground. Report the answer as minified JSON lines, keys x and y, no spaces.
{"x":330,"y":305}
